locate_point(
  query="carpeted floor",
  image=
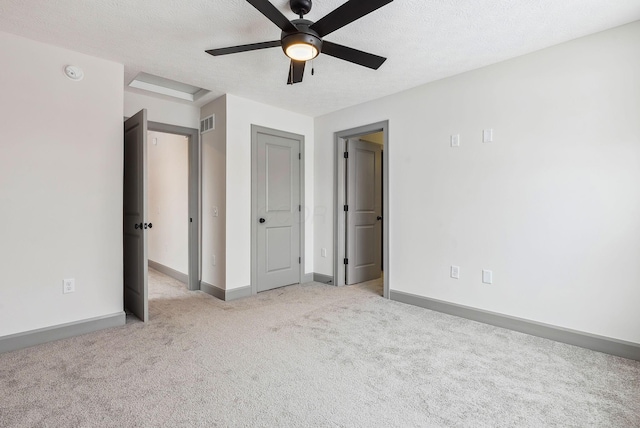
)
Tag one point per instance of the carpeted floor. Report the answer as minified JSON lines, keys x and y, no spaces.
{"x":311,"y":355}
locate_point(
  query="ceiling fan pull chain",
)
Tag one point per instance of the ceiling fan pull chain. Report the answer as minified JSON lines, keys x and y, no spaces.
{"x":313,"y":69}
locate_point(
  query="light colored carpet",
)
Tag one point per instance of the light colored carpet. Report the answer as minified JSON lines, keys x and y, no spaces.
{"x":311,"y":355}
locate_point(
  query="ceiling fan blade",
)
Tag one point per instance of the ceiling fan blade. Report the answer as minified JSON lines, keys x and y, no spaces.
{"x":352,"y":55}
{"x":243,"y":48}
{"x":346,"y":14}
{"x":296,"y":71}
{"x":274,"y":15}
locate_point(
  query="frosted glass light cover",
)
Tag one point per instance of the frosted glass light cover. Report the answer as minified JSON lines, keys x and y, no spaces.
{"x":301,"y":52}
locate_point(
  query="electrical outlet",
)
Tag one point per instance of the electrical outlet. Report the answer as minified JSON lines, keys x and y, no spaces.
{"x":68,"y":285}
{"x":455,"y":272}
{"x":215,"y":211}
{"x":487,"y":276}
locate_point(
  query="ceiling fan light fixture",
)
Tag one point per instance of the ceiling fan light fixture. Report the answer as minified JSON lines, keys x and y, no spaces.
{"x":301,"y":46}
{"x":301,"y":52}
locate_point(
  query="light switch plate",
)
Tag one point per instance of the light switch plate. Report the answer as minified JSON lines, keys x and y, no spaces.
{"x":455,"y":272}
{"x":487,"y":276}
{"x":487,"y":135}
{"x":455,"y":140}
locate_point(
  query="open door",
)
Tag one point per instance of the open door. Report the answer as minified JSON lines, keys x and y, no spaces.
{"x":363,"y":211}
{"x":134,"y":210}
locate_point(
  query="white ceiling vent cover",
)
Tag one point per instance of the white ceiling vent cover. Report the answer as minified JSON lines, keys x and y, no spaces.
{"x":208,"y":124}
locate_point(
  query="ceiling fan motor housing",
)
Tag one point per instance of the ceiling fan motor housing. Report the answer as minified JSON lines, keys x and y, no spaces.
{"x":303,"y":35}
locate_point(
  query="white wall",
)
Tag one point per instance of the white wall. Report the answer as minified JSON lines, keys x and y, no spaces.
{"x":551,"y":206}
{"x":241,"y":114}
{"x":168,"y":194}
{"x":178,"y":113}
{"x":60,"y":186}
{"x":214,"y":152}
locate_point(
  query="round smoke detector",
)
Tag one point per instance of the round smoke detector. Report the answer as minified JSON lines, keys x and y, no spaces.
{"x":73,"y":72}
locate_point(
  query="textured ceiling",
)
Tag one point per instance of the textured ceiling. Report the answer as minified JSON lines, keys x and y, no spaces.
{"x":423,"y":41}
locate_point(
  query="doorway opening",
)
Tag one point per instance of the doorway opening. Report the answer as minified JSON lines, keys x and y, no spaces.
{"x":167,"y":199}
{"x":361,"y":216}
{"x":194,"y":196}
{"x":138,"y":225}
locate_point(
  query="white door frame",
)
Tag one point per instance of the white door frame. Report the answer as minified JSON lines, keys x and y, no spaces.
{"x":339,"y":226}
{"x":195,"y":196}
{"x":255,"y":129}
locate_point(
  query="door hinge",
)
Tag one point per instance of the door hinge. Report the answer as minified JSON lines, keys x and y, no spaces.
{"x":346,"y":155}
{"x":299,"y":260}
{"x":346,"y":261}
{"x":190,"y":220}
{"x":299,"y":155}
{"x":346,"y":207}
{"x":299,"y":207}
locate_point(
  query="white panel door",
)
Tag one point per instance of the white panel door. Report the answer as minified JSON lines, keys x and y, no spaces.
{"x":278,"y":211}
{"x":364,"y":211}
{"x":134,"y":210}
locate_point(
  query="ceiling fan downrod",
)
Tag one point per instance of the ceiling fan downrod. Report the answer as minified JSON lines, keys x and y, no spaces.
{"x":300,"y":7}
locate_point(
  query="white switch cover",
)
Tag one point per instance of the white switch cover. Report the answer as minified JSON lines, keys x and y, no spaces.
{"x":68,"y":285}
{"x":215,"y":211}
{"x":323,"y":252}
{"x":487,"y":276}
{"x":487,"y":135}
{"x":455,"y":272}
{"x":455,"y":140}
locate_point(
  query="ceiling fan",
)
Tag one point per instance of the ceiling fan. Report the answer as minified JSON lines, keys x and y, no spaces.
{"x":301,"y":39}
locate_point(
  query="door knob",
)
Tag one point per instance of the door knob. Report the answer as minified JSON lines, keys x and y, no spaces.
{"x":379,"y":218}
{"x":138,"y":226}
{"x":262,"y":220}
{"x":150,"y":225}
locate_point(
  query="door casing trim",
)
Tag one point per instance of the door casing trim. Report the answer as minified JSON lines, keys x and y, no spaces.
{"x":255,"y":130}
{"x":339,"y":226}
{"x":195,"y":196}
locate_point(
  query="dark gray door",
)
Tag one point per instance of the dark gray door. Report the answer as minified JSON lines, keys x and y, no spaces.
{"x":278,"y":211}
{"x":364,"y":211}
{"x":135,"y":207}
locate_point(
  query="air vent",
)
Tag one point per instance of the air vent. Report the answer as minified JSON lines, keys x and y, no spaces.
{"x":208,"y":124}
